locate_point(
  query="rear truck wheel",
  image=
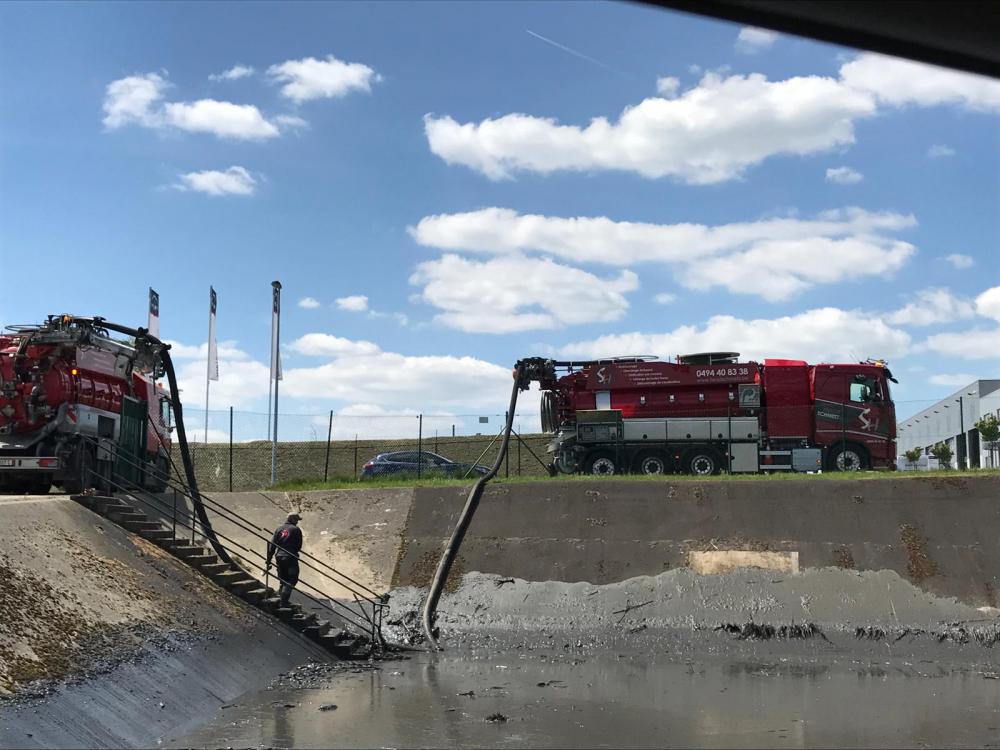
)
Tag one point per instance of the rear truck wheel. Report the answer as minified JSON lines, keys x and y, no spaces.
{"x":848,"y":458}
{"x":601,"y":463}
{"x":702,"y":463}
{"x":651,"y":462}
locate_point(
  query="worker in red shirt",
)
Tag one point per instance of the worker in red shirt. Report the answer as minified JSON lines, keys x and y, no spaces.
{"x":284,"y":547}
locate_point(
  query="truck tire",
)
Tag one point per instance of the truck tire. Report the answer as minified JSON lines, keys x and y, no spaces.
{"x":848,"y":457}
{"x":601,"y":463}
{"x":651,"y":463}
{"x":702,"y":462}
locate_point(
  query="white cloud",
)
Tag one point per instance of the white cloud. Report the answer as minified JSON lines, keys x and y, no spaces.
{"x":774,"y":258}
{"x":988,"y":305}
{"x":325,"y":345}
{"x":844,"y":175}
{"x":707,"y":134}
{"x":751,"y":40}
{"x":897,"y":82}
{"x":938,"y":151}
{"x":960,"y":261}
{"x":223,"y":119}
{"x":711,"y":132}
{"x":232,"y":181}
{"x":932,"y":306}
{"x":957,"y":380}
{"x":824,"y":334}
{"x":233,"y":74}
{"x":516,"y":293}
{"x":131,"y":99}
{"x":310,"y":78}
{"x":242,"y":381}
{"x":668,"y":87}
{"x":780,"y":270}
{"x":976,"y":343}
{"x":226,"y":350}
{"x":309,"y":303}
{"x":353,"y":303}
{"x":665,"y":298}
{"x":138,"y":100}
{"x":395,"y":381}
{"x":357,"y":372}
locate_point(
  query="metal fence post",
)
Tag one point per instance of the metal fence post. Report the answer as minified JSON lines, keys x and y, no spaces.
{"x":230,"y":449}
{"x":506,"y":467}
{"x":519,"y":450}
{"x":420,"y":443}
{"x":329,"y":434}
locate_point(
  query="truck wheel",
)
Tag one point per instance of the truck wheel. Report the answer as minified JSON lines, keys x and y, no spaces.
{"x":652,"y":462}
{"x":702,"y":463}
{"x":601,"y":463}
{"x":848,"y":458}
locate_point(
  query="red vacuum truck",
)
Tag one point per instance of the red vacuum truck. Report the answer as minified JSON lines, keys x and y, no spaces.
{"x":707,"y":413}
{"x":78,"y":407}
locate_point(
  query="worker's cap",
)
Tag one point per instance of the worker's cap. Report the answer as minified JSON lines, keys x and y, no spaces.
{"x":293,"y":518}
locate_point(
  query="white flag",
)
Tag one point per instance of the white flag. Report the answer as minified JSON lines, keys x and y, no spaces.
{"x":275,"y":323}
{"x":154,"y":313}
{"x":213,"y":351}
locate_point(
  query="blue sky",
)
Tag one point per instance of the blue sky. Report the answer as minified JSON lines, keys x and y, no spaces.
{"x":745,"y":191}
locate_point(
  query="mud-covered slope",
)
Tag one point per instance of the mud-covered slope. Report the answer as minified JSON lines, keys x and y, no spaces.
{"x":105,"y":640}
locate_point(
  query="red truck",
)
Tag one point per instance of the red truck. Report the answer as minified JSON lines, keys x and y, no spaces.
{"x":78,"y":407}
{"x":706,"y":413}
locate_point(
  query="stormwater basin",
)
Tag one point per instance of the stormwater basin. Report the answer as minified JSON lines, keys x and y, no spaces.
{"x":559,"y":697}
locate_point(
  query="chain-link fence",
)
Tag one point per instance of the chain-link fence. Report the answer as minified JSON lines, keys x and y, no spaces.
{"x":232,"y":450}
{"x":332,"y":447}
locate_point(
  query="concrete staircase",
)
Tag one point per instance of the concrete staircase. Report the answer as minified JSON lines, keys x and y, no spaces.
{"x":231,"y":577}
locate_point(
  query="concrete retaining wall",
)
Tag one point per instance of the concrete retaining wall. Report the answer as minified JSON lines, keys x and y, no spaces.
{"x":939,"y":533}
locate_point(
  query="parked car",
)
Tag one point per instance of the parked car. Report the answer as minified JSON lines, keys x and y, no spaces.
{"x":413,"y":463}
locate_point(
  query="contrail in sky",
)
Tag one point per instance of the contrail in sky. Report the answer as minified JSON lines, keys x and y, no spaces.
{"x":572,"y":51}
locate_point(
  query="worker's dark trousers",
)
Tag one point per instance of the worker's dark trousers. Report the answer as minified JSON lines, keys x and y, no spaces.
{"x":288,"y":572}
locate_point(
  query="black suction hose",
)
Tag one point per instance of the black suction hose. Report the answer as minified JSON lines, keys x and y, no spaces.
{"x":144,"y":339}
{"x":199,"y":507}
{"x":444,"y":565}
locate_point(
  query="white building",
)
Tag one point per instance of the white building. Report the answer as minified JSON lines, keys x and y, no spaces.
{"x":949,"y":421}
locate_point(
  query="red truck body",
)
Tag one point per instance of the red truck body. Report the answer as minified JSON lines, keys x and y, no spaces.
{"x":66,"y":391}
{"x":703,"y":414}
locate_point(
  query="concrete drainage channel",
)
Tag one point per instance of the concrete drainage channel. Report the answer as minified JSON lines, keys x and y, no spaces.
{"x":231,"y":577}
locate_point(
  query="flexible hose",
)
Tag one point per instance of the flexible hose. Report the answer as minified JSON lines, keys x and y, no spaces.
{"x":199,"y":506}
{"x":448,"y":557}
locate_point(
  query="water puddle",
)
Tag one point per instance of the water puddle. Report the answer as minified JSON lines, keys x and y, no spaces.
{"x":465,"y":699}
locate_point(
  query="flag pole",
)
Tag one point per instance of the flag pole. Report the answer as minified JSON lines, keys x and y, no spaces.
{"x":212,"y":360}
{"x":276,"y":371}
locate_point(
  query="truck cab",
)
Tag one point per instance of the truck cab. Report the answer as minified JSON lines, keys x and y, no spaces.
{"x":855,"y":415}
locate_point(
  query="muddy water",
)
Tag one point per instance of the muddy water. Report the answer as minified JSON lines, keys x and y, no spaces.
{"x":566,"y":699}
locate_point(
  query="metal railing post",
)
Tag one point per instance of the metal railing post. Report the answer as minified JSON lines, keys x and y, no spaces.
{"x":230,"y":449}
{"x":329,"y":434}
{"x":173,"y":527}
{"x":355,"y":457}
{"x":420,"y":443}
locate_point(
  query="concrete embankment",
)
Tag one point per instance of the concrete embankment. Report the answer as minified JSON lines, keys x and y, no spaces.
{"x":938,"y":534}
{"x":107,"y":641}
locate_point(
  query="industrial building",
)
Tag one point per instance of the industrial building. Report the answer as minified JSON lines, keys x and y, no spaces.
{"x":951,"y":420}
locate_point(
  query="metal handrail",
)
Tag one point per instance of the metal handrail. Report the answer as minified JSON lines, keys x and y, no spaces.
{"x":373,"y":622}
{"x":252,"y":528}
{"x":376,"y":634}
{"x":375,"y":596}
